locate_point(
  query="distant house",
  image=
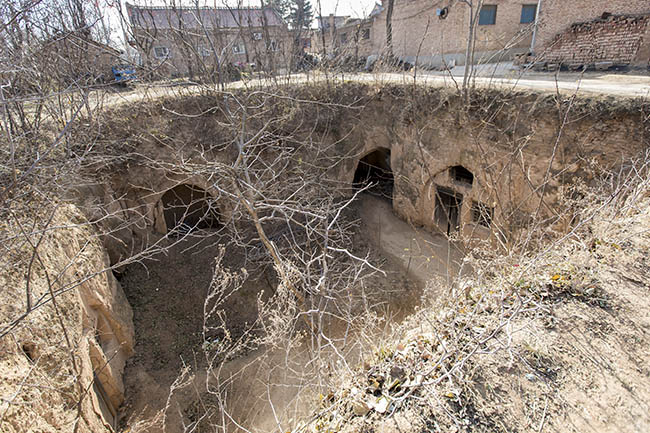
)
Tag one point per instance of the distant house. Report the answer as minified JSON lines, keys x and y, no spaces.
{"x":75,"y":56}
{"x":175,"y":41}
{"x":343,"y":36}
{"x":331,"y":22}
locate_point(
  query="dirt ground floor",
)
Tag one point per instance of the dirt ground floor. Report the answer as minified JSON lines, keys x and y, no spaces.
{"x":268,"y":387}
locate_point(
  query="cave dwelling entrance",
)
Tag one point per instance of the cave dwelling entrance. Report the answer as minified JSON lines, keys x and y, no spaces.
{"x":187,"y":208}
{"x":448,"y":205}
{"x":374,"y":169}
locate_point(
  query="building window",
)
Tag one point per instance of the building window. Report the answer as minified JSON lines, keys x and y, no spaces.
{"x":482,"y":214}
{"x":161,"y":52}
{"x":238,"y":49}
{"x":257,"y":36}
{"x":488,"y":15}
{"x":528,"y":13}
{"x":461,"y":175}
{"x":203,"y":51}
{"x":365,"y":34}
{"x":272,"y":45}
{"x":344,"y":38}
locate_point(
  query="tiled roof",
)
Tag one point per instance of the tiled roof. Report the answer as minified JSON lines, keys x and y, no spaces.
{"x":165,"y":17}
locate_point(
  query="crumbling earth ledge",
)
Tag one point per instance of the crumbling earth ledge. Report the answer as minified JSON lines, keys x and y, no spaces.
{"x":68,"y":351}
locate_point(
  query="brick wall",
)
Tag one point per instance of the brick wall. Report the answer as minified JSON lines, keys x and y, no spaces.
{"x":417,"y":30}
{"x":556,"y":16}
{"x":615,"y":39}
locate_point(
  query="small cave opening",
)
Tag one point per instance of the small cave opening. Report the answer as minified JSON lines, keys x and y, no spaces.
{"x":461,"y":175}
{"x":187,"y":208}
{"x":29,"y":349}
{"x":374,"y":169}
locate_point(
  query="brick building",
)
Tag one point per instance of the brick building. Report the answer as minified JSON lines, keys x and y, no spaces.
{"x":198,"y":41}
{"x":77,"y":57}
{"x":435,"y":32}
{"x":432,"y":32}
{"x":343,"y":36}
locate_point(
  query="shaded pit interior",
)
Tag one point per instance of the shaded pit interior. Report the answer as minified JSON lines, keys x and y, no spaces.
{"x":168,"y":293}
{"x":188,"y":207}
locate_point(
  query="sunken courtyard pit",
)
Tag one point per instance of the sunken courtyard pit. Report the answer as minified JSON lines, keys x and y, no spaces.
{"x":251,"y":252}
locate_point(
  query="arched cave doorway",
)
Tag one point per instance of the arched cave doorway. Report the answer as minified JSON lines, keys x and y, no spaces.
{"x":187,"y":208}
{"x":375,"y":168}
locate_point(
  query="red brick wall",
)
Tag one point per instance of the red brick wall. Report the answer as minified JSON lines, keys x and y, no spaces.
{"x":615,"y":39}
{"x":556,"y":16}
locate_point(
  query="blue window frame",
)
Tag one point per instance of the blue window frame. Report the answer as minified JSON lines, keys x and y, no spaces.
{"x":528,"y":13}
{"x":488,"y":15}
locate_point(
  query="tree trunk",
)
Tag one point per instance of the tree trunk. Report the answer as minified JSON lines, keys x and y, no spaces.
{"x":389,"y":27}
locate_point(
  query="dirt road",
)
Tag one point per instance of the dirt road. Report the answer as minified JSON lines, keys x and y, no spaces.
{"x":588,"y":84}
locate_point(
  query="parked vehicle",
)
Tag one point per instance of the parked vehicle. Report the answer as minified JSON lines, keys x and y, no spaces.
{"x":123,"y":73}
